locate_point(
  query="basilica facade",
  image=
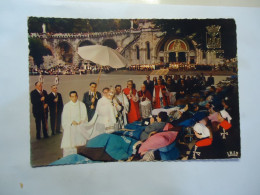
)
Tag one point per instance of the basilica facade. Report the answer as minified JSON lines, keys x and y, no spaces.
{"x":155,"y":47}
{"x":144,"y":45}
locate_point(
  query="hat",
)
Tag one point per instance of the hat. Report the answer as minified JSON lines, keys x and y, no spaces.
{"x":225,"y":115}
{"x":202,"y":130}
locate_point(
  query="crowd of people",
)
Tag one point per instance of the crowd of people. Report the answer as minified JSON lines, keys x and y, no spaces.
{"x":81,"y":34}
{"x":68,"y":70}
{"x":94,"y":69}
{"x":200,"y":118}
{"x":181,"y":66}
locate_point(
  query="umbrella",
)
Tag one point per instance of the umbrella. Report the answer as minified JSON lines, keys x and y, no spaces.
{"x":102,"y":55}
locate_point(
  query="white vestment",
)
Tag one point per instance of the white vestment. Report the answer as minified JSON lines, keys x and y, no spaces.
{"x":145,"y":108}
{"x":125,"y":103}
{"x":103,"y":121}
{"x":72,"y":136}
{"x":156,"y":111}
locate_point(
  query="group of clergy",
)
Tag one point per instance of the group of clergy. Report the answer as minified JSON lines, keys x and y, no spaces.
{"x":100,"y":113}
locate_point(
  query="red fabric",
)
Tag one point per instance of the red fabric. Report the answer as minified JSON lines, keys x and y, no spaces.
{"x":166,"y":100}
{"x":167,"y":127}
{"x":226,"y":125}
{"x":157,"y":141}
{"x":134,"y":113}
{"x":204,"y":142}
{"x":146,"y":94}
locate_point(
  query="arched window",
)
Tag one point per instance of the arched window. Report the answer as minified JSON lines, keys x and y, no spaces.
{"x":137,"y":52}
{"x":148,"y":50}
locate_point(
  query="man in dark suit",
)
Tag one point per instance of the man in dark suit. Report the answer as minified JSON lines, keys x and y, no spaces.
{"x":149,"y":84}
{"x":90,"y":99}
{"x":210,"y":80}
{"x":40,"y":109}
{"x":56,"y":106}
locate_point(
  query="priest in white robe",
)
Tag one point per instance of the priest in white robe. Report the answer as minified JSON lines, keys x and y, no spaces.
{"x":73,"y":115}
{"x":122,"y":105}
{"x":104,"y":119}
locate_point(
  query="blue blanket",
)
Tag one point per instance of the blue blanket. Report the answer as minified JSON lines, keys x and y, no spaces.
{"x":136,"y":126}
{"x":118,"y":147}
{"x":170,"y":152}
{"x":72,"y":159}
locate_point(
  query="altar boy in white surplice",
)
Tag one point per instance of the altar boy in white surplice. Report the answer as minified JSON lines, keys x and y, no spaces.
{"x":74,"y":113}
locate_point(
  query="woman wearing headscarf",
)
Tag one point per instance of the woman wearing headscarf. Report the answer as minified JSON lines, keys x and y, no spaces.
{"x":204,"y":139}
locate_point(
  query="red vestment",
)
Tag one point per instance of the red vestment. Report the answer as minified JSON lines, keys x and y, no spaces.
{"x":157,"y":91}
{"x":145,"y":94}
{"x":134,"y":113}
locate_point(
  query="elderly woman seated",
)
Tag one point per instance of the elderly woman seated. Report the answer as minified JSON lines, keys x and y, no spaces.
{"x":204,"y":139}
{"x":156,"y":124}
{"x":158,"y":135}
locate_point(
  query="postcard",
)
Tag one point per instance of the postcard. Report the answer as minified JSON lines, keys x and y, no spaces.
{"x":107,"y":90}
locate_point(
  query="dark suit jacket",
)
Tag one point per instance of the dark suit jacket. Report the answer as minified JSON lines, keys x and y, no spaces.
{"x":210,"y":81}
{"x":87,"y":99}
{"x":52,"y":104}
{"x":149,"y":86}
{"x":182,"y":88}
{"x":37,"y":104}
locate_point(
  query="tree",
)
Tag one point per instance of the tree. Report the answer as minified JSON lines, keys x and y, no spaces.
{"x":124,"y":24}
{"x":69,"y":25}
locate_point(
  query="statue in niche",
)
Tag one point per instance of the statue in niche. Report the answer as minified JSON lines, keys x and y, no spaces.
{"x":43,"y":28}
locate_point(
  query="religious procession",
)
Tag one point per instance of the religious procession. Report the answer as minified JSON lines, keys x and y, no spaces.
{"x":169,"y":118}
{"x":176,"y":106}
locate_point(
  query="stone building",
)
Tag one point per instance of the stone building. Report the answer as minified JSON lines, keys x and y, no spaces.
{"x":141,"y":46}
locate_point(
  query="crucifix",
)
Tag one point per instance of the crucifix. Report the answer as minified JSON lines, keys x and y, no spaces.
{"x":195,"y":152}
{"x":224,"y":134}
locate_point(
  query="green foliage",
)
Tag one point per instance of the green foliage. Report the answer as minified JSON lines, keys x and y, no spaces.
{"x":124,"y":24}
{"x":37,"y":50}
{"x":69,"y":25}
{"x":194,"y":29}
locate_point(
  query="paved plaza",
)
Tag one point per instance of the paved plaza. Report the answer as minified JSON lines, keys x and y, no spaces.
{"x":45,"y":151}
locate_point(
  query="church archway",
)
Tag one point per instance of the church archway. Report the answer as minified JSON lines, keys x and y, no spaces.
{"x":65,"y":52}
{"x":177,"y":45}
{"x":110,"y":43}
{"x":85,"y":43}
